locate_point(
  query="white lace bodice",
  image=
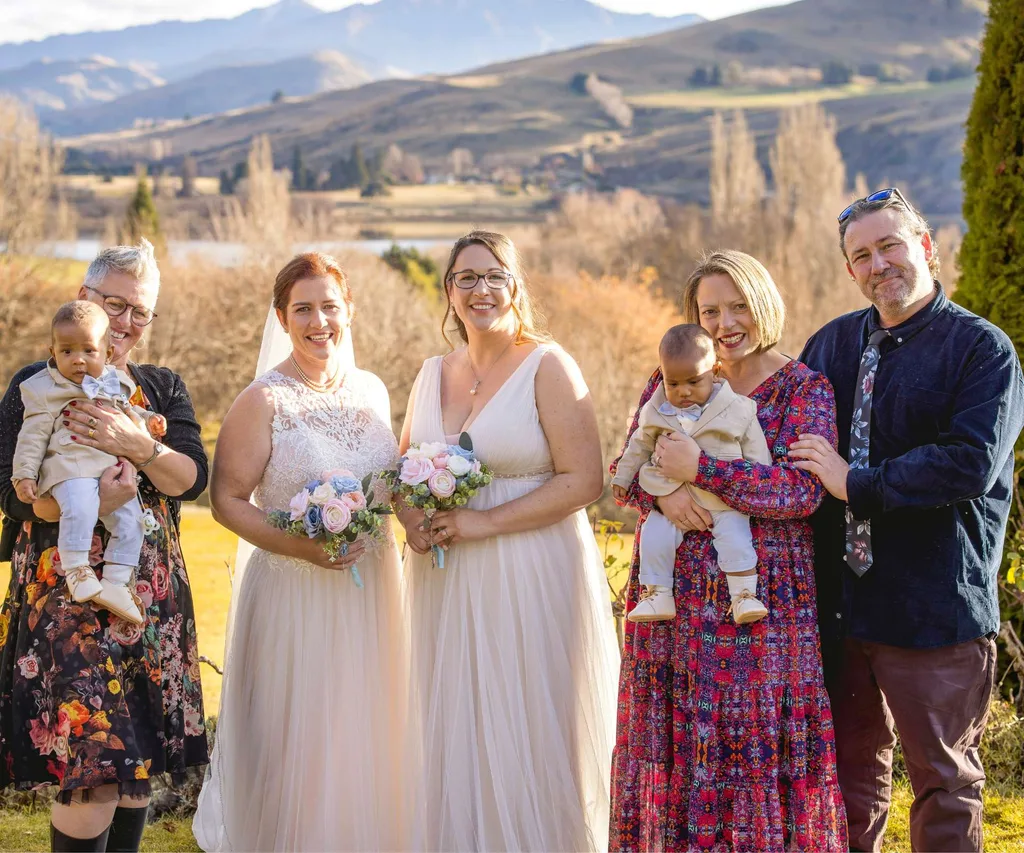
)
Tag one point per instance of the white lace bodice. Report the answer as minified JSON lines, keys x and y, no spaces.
{"x":314,"y":433}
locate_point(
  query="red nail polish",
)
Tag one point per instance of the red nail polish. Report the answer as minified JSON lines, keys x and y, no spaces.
{"x":73,"y":403}
{"x":74,"y":438}
{"x":67,"y":423}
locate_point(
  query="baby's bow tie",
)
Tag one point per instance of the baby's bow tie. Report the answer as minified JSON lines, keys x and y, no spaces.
{"x":691,"y":411}
{"x":107,"y":384}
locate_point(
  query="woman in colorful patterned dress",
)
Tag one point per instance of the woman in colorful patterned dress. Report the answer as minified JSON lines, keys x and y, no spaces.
{"x":725,"y":738}
{"x":88,"y":701}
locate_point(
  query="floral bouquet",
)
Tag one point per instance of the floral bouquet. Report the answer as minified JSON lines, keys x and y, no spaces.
{"x":433,"y":476}
{"x":336,"y":509}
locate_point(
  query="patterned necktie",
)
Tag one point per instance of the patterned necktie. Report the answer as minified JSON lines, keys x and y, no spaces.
{"x":858,"y":533}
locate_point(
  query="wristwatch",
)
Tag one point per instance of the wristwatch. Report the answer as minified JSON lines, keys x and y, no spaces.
{"x":158,"y":448}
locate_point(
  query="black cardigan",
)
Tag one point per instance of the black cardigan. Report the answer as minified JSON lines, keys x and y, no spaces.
{"x":168,"y":396}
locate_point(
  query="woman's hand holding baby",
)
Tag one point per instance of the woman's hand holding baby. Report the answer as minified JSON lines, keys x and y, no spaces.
{"x":101,"y":425}
{"x":677,"y":456}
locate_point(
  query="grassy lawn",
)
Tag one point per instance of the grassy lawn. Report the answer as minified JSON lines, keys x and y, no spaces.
{"x":210,"y":549}
{"x":1004,"y":828}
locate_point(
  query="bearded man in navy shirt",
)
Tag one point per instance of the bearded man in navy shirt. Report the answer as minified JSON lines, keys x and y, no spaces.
{"x":929,"y":403}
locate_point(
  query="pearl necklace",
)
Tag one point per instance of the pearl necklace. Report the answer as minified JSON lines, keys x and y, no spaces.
{"x":321,"y":387}
{"x":476,"y":385}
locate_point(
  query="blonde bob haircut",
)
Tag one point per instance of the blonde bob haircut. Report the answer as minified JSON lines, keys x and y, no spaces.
{"x":529,"y":323}
{"x":754,"y":283}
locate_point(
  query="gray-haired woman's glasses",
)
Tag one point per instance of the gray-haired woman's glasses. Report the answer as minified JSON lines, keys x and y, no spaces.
{"x":115,"y":306}
{"x":494,"y":279}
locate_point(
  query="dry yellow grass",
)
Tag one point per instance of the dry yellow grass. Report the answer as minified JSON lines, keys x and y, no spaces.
{"x":123,"y":186}
{"x":746,"y":99}
{"x":433,"y":196}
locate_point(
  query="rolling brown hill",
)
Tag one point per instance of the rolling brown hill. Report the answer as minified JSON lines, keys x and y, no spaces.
{"x":522,"y":112}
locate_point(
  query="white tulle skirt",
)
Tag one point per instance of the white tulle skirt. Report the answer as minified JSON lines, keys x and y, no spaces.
{"x":515,"y":673}
{"x":309,"y":741}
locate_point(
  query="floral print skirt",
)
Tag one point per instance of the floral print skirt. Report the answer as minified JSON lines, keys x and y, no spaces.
{"x":87,"y":698}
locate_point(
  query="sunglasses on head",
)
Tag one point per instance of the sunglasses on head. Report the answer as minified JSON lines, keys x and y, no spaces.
{"x":881,"y":195}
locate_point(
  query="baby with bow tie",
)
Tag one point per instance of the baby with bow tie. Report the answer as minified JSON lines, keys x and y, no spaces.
{"x":49,"y":460}
{"x":692,"y":400}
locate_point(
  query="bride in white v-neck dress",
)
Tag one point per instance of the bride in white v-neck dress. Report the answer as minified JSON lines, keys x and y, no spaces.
{"x":515,"y":664}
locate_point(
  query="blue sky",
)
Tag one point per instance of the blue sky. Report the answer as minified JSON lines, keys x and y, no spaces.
{"x":35,"y":19}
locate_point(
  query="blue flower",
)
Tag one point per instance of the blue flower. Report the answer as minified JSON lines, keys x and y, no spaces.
{"x":311,"y":486}
{"x":455,"y":450}
{"x":346,"y":484}
{"x":312,"y":522}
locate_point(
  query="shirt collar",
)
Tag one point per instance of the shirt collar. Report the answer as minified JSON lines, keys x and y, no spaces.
{"x":908,"y":328}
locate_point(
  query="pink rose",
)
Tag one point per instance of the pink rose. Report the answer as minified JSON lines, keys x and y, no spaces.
{"x":355,"y":501}
{"x":43,"y":737}
{"x":161,"y":581}
{"x":441,"y":460}
{"x":299,"y":504}
{"x":336,"y":515}
{"x":29,"y":665}
{"x":442,"y":483}
{"x":63,"y":722}
{"x":144,"y":590}
{"x":477,"y":468}
{"x":416,"y":470}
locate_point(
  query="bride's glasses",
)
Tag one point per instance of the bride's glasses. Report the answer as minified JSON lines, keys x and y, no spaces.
{"x":494,"y":279}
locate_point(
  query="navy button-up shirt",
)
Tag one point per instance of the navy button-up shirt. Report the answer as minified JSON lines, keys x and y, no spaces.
{"x":947,"y":407}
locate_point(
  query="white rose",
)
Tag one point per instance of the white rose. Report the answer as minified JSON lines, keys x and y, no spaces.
{"x":426,"y":450}
{"x":322,"y":493}
{"x":459,"y":465}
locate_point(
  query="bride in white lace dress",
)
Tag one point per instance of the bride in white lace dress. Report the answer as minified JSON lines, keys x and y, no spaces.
{"x":308,"y":742}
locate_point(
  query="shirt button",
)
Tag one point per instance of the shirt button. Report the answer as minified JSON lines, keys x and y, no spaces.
{"x":899,"y":340}
{"x":839,"y":616}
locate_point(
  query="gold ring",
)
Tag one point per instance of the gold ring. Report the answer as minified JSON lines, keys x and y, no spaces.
{"x":93,"y":422}
{"x":92,"y":433}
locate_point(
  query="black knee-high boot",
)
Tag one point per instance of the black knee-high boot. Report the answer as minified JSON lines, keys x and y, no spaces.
{"x":126,"y":830}
{"x":61,"y":842}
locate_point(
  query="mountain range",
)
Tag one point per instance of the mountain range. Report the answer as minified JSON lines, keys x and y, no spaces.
{"x":202,"y":67}
{"x":387,"y":38}
{"x":218,"y":90}
{"x":527,"y":111}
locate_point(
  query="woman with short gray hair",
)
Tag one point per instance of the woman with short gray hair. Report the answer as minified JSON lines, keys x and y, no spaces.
{"x":89,"y":701}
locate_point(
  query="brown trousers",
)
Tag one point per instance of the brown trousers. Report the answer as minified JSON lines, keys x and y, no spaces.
{"x":938,"y":700}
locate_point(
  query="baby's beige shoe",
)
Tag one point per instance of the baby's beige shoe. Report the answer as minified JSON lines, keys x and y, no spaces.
{"x":746,"y":608}
{"x":82,"y":583}
{"x":657,"y":604}
{"x":119,"y":600}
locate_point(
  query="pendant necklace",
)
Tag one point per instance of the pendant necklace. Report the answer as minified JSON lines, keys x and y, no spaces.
{"x":476,"y":385}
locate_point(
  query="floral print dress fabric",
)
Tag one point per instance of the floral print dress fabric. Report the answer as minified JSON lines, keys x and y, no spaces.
{"x":87,"y":698}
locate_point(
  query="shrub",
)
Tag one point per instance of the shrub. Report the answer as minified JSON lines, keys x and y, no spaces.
{"x":992,"y":256}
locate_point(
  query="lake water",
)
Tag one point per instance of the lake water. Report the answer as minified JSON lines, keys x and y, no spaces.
{"x":231,"y":254}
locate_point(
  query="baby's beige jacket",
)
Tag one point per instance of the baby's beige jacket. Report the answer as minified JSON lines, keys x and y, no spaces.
{"x":45,"y":451}
{"x":727,"y":429}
